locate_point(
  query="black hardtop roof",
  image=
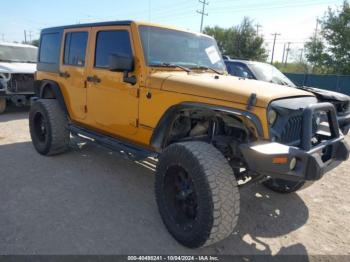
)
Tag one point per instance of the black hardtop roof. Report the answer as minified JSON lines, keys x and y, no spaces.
{"x":110,"y":23}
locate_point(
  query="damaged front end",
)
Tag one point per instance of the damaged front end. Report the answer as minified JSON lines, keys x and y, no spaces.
{"x":340,"y":101}
{"x":305,"y":142}
{"x":17,"y":87}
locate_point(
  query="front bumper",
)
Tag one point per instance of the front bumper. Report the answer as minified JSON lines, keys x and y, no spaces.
{"x":311,"y":162}
{"x":311,"y":165}
{"x":344,"y":123}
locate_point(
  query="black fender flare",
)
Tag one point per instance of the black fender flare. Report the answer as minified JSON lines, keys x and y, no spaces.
{"x":45,"y":86}
{"x":165,"y":124}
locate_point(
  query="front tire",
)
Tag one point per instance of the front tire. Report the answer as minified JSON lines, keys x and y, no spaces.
{"x":2,"y":105}
{"x":48,"y":125}
{"x":197,"y":194}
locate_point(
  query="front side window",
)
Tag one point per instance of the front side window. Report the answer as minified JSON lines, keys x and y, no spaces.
{"x":166,"y":46}
{"x":111,"y":43}
{"x":75,"y":48}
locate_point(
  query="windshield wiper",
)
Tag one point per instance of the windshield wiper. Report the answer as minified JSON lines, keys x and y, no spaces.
{"x":208,"y":68}
{"x":171,"y":65}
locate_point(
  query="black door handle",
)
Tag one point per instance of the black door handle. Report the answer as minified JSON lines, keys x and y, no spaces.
{"x":93,"y":79}
{"x":64,"y":74}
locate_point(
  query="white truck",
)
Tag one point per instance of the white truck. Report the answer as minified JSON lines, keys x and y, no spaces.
{"x":17,"y":68}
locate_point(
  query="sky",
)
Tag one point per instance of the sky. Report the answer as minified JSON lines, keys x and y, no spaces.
{"x":295,"y":20}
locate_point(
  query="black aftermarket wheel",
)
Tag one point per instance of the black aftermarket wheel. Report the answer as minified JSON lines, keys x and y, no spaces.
{"x":197,"y":194}
{"x":48,"y":127}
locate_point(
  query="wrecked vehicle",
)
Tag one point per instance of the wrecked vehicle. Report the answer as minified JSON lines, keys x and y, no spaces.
{"x":268,"y":73}
{"x":17,"y":68}
{"x":146,"y":91}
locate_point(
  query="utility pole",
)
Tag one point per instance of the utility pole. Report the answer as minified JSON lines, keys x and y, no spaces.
{"x":273,"y":48}
{"x":30,"y":36}
{"x":301,"y":54}
{"x":284,"y":52}
{"x":258,"y":26}
{"x":203,"y":13}
{"x":288,"y":49}
{"x":316,"y":29}
{"x":25,"y":36}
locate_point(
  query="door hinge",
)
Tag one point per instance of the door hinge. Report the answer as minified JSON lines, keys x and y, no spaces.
{"x":134,"y":122}
{"x":135,"y":92}
{"x":85,"y":84}
{"x":85,"y":109}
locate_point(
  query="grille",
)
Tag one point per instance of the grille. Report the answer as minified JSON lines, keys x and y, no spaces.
{"x":20,"y":83}
{"x":292,"y":131}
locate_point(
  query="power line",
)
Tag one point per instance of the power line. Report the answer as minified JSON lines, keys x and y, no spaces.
{"x":256,"y":7}
{"x":274,"y":44}
{"x":204,"y":3}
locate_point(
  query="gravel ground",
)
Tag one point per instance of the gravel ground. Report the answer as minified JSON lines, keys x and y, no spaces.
{"x":93,"y":201}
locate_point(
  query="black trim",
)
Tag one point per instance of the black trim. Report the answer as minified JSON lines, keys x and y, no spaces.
{"x":109,"y":23}
{"x":132,"y":151}
{"x":45,"y":85}
{"x":310,"y":164}
{"x":307,"y":123}
{"x":163,"y":127}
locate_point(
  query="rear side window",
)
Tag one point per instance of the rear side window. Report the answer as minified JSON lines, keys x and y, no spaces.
{"x":75,"y":48}
{"x":50,"y":48}
{"x":109,"y":43}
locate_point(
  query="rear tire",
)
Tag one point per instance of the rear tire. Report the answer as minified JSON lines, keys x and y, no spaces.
{"x":285,"y":186}
{"x":48,"y":125}
{"x":197,"y":194}
{"x":2,"y":105}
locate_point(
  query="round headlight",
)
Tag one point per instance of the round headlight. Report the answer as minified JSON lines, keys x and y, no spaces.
{"x":293,"y":163}
{"x":272,"y":117}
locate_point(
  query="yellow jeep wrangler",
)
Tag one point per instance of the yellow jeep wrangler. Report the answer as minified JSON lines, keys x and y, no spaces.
{"x":152,"y":91}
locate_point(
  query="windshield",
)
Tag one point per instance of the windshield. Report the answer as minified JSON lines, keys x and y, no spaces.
{"x":164,"y":47}
{"x":18,"y":54}
{"x":269,"y":73}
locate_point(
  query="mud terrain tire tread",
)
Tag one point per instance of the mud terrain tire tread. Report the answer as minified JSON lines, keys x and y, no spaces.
{"x":220,"y":191}
{"x":57,"y":125}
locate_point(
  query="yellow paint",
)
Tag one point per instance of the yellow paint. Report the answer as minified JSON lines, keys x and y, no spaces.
{"x":122,"y":110}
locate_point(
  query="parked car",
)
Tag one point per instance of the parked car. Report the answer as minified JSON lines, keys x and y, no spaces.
{"x":268,"y":73}
{"x":17,"y":68}
{"x":118,"y":84}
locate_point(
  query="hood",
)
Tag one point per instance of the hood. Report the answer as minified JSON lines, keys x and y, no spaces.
{"x":13,"y":68}
{"x":326,"y":94}
{"x":223,"y":87}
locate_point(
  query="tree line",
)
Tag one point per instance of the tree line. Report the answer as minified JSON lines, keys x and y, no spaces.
{"x":327,"y":52}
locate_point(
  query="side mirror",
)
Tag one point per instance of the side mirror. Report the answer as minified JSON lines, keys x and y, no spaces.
{"x":123,"y":63}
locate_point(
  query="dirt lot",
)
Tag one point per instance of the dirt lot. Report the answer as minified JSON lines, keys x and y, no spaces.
{"x":93,"y":201}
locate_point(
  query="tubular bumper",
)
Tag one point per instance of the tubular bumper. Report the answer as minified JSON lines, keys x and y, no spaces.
{"x":311,"y":162}
{"x":344,"y":123}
